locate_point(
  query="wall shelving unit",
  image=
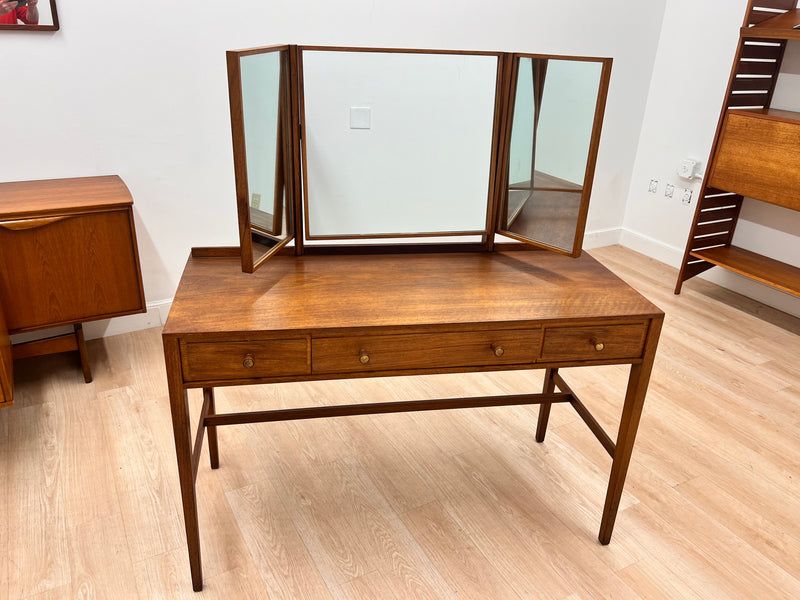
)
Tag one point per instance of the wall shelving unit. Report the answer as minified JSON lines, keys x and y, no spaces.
{"x":756,"y":153}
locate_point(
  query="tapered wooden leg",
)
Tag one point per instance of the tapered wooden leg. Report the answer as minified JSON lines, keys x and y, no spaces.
{"x":213,"y":449}
{"x":628,"y":426}
{"x":83,"y":353}
{"x":181,"y":428}
{"x":544,"y":408}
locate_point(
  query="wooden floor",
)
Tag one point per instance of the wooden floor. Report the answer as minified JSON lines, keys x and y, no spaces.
{"x":452,"y":504}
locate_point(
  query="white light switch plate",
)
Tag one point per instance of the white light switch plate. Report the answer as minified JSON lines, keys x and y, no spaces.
{"x":360,"y":117}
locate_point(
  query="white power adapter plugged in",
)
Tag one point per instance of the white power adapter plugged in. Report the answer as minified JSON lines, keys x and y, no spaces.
{"x":687,"y":168}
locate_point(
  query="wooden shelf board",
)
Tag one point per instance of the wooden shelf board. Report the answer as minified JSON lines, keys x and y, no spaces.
{"x":773,"y":114}
{"x":778,"y":274}
{"x":779,"y":27}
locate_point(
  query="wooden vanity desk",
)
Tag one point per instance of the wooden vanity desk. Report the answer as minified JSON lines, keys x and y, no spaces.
{"x":314,"y":317}
{"x":363,"y":305}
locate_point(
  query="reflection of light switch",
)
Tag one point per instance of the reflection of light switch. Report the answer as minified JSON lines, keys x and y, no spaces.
{"x":255,"y":201}
{"x":360,"y":117}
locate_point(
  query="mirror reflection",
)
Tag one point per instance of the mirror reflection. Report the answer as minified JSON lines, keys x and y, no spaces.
{"x":552,"y":127}
{"x":397,"y":143}
{"x":28,"y":14}
{"x":263,"y":89}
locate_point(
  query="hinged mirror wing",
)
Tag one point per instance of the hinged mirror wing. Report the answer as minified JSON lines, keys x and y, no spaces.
{"x":263,"y":150}
{"x":555,"y":111}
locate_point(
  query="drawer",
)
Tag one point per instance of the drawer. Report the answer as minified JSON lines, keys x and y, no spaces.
{"x":424,"y":351}
{"x":203,"y":361}
{"x":598,"y":342}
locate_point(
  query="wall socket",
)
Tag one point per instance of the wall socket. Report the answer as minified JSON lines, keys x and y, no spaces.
{"x":669,"y":190}
{"x":653,"y":187}
{"x":687,"y":197}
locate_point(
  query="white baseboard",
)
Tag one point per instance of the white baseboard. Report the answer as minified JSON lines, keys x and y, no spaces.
{"x":603,"y":237}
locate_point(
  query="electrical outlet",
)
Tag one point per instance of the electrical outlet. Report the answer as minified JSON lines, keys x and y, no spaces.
{"x":687,"y":197}
{"x":255,"y":201}
{"x":669,"y":190}
{"x":653,"y":187}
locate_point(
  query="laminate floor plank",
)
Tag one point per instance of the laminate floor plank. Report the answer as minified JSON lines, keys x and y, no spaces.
{"x":100,"y":570}
{"x":286,"y":568}
{"x":5,"y":477}
{"x":452,"y":551}
{"x":506,"y":521}
{"x":148,"y":502}
{"x":37,"y":552}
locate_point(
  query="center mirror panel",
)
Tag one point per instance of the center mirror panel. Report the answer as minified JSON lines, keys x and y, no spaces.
{"x":555,"y":131}
{"x":397,"y":144}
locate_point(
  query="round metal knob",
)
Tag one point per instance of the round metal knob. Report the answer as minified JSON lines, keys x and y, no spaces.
{"x":364,"y":357}
{"x":248,"y":361}
{"x":598,"y":345}
{"x":498,"y":350}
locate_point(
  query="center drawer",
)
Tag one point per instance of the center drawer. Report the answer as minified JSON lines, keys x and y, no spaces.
{"x":424,"y":351}
{"x":204,"y":361}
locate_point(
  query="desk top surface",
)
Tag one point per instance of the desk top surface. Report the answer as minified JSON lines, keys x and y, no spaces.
{"x":315,"y":292}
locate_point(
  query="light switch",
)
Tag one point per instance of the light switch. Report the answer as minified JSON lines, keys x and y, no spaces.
{"x":360,"y":117}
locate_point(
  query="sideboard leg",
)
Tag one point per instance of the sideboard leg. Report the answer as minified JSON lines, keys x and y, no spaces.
{"x":544,"y":408}
{"x":82,"y":352}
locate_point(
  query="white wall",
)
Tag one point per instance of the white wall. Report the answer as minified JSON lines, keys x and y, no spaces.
{"x":143,"y":93}
{"x":695,"y":54}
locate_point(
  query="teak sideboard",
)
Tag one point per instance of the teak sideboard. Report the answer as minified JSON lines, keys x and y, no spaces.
{"x":68,"y":255}
{"x":315,"y":317}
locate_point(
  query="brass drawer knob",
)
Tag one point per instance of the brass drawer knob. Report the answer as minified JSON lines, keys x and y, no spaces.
{"x":248,"y":361}
{"x":498,"y":350}
{"x":363,"y":357}
{"x":598,"y":345}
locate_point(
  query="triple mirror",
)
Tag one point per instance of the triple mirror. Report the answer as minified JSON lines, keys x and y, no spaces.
{"x":361,"y":145}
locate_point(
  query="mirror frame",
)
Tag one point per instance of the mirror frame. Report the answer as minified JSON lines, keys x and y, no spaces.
{"x":285,"y":155}
{"x":22,"y":27}
{"x":295,"y":176}
{"x":496,"y":119}
{"x":591,"y":159}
